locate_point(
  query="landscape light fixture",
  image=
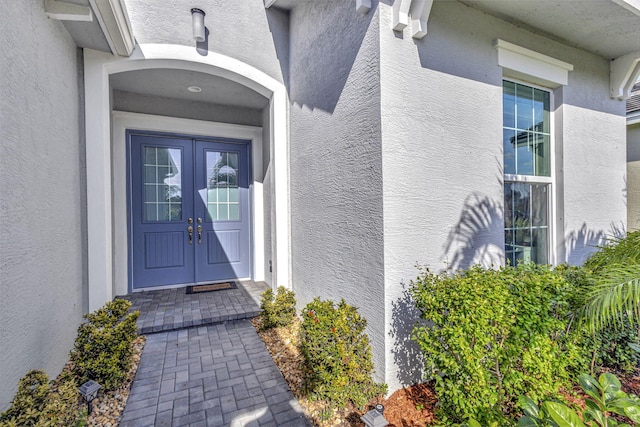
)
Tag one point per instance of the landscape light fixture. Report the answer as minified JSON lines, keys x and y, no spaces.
{"x":89,"y":391}
{"x":197,"y":18}
{"x":374,"y":417}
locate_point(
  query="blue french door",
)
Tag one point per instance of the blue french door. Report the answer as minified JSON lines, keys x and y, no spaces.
{"x":190,"y":213}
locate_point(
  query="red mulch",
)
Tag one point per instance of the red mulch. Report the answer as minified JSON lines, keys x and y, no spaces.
{"x":411,"y":406}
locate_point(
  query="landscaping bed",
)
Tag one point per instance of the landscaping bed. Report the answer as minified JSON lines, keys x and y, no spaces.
{"x":109,"y":407}
{"x":408,"y":407}
{"x":411,"y":406}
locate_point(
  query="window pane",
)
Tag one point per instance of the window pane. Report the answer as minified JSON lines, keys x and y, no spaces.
{"x":509,"y":105}
{"x":508,"y":202}
{"x":526,"y":142}
{"x":520,"y":205}
{"x":541,"y":110}
{"x":222,"y":184}
{"x":539,"y":205}
{"x":509,"y":144}
{"x":212,"y":209}
{"x":524,"y":153}
{"x":526,"y":222}
{"x":540,"y":246}
{"x":162,"y":184}
{"x":150,"y":212}
{"x":542,"y":156}
{"x":234,"y":213}
{"x":223,"y":212}
{"x":524,"y":107}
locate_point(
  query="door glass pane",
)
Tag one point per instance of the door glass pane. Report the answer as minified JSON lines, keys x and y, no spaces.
{"x":162,"y":184}
{"x":222,"y":186}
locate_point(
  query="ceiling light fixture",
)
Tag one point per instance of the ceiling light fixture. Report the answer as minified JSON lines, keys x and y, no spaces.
{"x":194,"y":89}
{"x":199,"y":30}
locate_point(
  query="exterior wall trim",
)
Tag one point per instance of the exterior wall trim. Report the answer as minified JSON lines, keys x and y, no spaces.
{"x":523,"y":63}
{"x":114,"y":21}
{"x":98,"y":67}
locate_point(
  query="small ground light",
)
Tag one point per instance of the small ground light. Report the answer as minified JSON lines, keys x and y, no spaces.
{"x":89,"y":391}
{"x":374,"y":417}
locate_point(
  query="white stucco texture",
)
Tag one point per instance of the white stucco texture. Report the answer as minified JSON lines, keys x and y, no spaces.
{"x":441,"y":114}
{"x":336,"y":175}
{"x":244,"y":30}
{"x":41,"y":238}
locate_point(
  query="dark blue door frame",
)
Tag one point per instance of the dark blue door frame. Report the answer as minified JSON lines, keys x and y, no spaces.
{"x":189,"y":209}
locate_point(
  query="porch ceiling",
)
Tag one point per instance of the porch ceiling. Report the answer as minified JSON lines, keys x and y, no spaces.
{"x":170,"y":83}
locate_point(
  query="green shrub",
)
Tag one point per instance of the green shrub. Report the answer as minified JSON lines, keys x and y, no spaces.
{"x":489,"y":336}
{"x":28,"y":404}
{"x":604,"y":398}
{"x":336,"y":354}
{"x":278,"y":310}
{"x":39,"y":403}
{"x":102,"y":351}
{"x":613,"y":349}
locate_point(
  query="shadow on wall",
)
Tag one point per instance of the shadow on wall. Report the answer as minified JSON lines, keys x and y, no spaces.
{"x":581,"y":243}
{"x":473,"y":239}
{"x":278,"y":22}
{"x":325,"y":40}
{"x":406,"y":353}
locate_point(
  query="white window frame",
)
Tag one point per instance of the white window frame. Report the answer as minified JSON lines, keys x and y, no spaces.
{"x":531,"y":179}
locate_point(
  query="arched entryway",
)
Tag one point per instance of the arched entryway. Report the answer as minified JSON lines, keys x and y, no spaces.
{"x":109,"y":195}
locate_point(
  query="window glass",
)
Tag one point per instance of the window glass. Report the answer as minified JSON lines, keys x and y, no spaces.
{"x":526,"y":222}
{"x":526,"y":130}
{"x":162,"y":184}
{"x":222,"y":186}
{"x":526,"y":143}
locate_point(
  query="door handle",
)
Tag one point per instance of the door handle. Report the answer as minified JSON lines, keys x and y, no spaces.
{"x":199,"y":234}
{"x":190,"y":230}
{"x":199,"y":220}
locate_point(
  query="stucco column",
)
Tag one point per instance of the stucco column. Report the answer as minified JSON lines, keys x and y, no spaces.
{"x":98,"y":155}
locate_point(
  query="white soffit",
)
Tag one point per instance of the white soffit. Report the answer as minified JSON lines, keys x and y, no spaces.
{"x":362,"y":6}
{"x":63,"y":11}
{"x":527,"y":64}
{"x":114,"y":21}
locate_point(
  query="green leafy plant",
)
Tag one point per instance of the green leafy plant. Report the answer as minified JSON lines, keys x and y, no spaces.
{"x":337,"y":354}
{"x":489,"y":336}
{"x":605,"y":397}
{"x":614,"y":292}
{"x":40,"y":403}
{"x":279,"y":309}
{"x":102,"y":351}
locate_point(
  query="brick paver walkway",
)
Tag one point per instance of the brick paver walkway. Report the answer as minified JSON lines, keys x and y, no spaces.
{"x":212,"y":375}
{"x":170,"y":309}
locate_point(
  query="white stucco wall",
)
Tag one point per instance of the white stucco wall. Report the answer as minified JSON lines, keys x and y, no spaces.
{"x":41,"y":238}
{"x":442,"y":155}
{"x":633,"y":177}
{"x":336,"y":176}
{"x":244,"y":30}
